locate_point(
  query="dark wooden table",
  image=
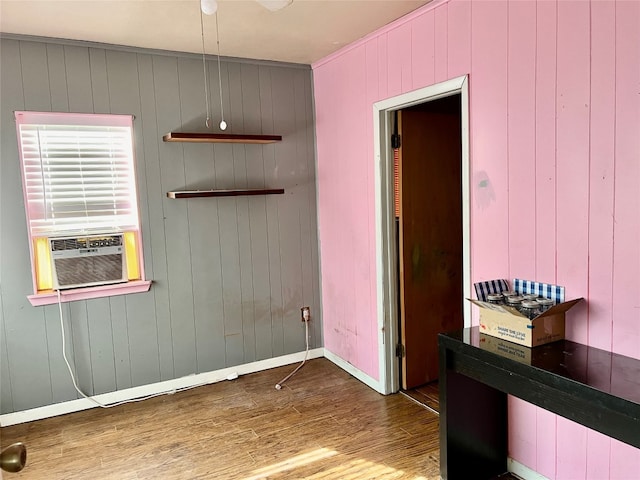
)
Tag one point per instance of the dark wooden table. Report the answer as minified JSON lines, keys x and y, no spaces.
{"x":593,"y":387}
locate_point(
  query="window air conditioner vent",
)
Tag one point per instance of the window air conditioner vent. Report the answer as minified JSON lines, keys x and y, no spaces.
{"x":87,"y":261}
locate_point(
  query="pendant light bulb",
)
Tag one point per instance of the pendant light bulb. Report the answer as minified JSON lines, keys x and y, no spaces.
{"x":208,"y":7}
{"x":275,"y":5}
{"x":223,"y":125}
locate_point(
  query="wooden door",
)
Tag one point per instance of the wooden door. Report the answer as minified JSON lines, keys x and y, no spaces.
{"x":430,"y":237}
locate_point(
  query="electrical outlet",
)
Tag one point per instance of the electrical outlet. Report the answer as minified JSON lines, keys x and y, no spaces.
{"x":305,"y":314}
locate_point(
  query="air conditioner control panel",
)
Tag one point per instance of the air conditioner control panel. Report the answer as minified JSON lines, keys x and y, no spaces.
{"x":78,"y":243}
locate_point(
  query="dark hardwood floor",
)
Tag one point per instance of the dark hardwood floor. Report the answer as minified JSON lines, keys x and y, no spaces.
{"x":323,"y":424}
{"x":426,"y":395}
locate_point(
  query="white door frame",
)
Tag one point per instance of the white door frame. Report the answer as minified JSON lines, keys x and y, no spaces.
{"x":385,"y":222}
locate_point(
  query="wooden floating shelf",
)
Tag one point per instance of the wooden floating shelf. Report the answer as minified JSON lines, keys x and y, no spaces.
{"x":219,"y":138}
{"x":224,"y":193}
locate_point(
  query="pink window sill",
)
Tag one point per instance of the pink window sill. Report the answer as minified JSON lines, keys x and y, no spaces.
{"x":86,"y":293}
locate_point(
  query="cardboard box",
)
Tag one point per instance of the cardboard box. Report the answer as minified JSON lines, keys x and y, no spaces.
{"x":508,"y":324}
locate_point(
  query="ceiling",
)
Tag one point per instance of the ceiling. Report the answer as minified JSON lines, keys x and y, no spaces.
{"x":303,"y":32}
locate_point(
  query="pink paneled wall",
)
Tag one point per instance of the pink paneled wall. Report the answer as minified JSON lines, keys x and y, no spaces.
{"x":555,"y":175}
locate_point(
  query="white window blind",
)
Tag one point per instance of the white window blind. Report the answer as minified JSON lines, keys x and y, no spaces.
{"x":78,"y":172}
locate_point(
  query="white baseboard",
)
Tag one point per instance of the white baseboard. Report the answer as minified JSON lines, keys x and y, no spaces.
{"x":523,"y":471}
{"x":167,"y":387}
{"x":357,"y":373}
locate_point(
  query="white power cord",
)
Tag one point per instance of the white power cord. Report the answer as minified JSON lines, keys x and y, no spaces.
{"x":232,"y":376}
{"x":306,"y":353}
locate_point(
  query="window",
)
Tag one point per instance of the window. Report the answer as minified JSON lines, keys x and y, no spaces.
{"x":79,"y":183}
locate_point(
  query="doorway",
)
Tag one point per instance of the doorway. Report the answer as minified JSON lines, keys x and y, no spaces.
{"x":428,"y":206}
{"x":415,"y":277}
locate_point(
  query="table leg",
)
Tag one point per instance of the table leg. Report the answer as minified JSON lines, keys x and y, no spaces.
{"x":473,"y":426}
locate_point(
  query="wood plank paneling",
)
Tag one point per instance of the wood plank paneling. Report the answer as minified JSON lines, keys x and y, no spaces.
{"x":57,"y":78}
{"x":99,"y":80}
{"x":240,"y":175}
{"x":230,"y":263}
{"x":598,"y":453}
{"x":35,"y":76}
{"x":625,"y":461}
{"x":383,"y":79}
{"x":101,"y":343}
{"x":345,"y":166}
{"x":521,"y":61}
{"x":553,"y":101}
{"x":269,"y":323}
{"x":626,"y":234}
{"x":245,"y":233}
{"x":601,"y":172}
{"x":203,"y":225}
{"x":61,"y":385}
{"x":121,"y":342}
{"x":488,"y":109}
{"x":284,"y":121}
{"x":172,"y":168}
{"x":217,"y":264}
{"x":76,"y":327}
{"x":6,"y":398}
{"x":202,"y":232}
{"x":350,"y":178}
{"x":122,"y":78}
{"x":155,"y":242}
{"x":545,"y":147}
{"x":546,"y":441}
{"x":228,"y":224}
{"x":260,"y":277}
{"x":399,"y":67}
{"x":371,"y":96}
{"x":545,"y":197}
{"x":24,"y":336}
{"x":357,"y":248}
{"x":440,"y":40}
{"x":572,"y":176}
{"x":521,"y":123}
{"x":252,"y":115}
{"x":459,"y":38}
{"x":422,"y":51}
{"x":572,"y":150}
{"x":78,"y":79}
{"x":144,"y":357}
{"x":308,"y":234}
{"x":142,"y":324}
{"x":571,"y":450}
{"x":404,"y":54}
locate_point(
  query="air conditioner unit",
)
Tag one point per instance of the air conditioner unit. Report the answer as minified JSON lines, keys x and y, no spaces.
{"x":87,"y":261}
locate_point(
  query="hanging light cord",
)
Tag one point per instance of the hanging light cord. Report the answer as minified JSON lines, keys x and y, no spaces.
{"x":204,"y":71}
{"x":223,"y":124}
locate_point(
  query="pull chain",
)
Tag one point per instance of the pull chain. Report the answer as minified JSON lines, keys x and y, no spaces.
{"x":204,"y":72}
{"x":223,"y":124}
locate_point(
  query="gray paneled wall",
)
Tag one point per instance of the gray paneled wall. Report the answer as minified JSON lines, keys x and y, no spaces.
{"x":230,"y":274}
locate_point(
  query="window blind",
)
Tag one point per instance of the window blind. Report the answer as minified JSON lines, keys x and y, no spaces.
{"x":78,"y":172}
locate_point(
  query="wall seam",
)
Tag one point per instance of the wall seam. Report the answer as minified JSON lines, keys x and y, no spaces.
{"x":589,"y":172}
{"x":511,"y":275}
{"x":555,"y":201}
{"x":66,"y":77}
